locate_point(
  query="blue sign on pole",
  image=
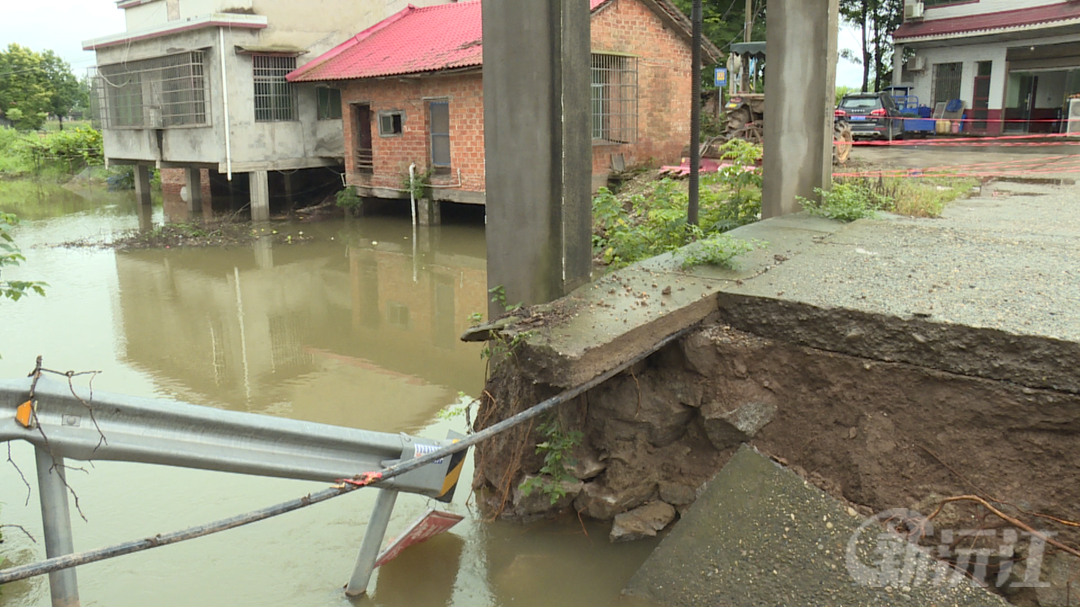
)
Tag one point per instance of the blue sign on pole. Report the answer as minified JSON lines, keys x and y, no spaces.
{"x":721,"y":76}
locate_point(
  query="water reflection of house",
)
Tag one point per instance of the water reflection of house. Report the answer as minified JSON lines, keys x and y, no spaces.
{"x":1012,"y":63}
{"x":338,"y":334}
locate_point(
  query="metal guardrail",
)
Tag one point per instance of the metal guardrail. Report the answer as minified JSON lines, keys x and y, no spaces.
{"x":66,"y":422}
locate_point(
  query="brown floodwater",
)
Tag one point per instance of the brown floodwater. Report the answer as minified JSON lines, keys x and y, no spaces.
{"x":357,"y":327}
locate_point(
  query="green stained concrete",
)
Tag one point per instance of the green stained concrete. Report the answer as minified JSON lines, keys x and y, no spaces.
{"x":760,"y":535}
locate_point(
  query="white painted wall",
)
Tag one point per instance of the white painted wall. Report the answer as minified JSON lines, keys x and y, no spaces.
{"x":981,"y":7}
{"x":969,"y":56}
{"x":146,"y":15}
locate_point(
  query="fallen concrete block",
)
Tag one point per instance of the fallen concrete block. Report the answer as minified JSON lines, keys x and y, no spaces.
{"x":760,"y":535}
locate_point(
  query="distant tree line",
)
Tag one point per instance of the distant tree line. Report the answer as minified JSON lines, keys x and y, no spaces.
{"x":723,"y":22}
{"x":35,"y":85}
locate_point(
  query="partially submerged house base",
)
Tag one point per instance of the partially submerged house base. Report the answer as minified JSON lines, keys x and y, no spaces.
{"x":412,"y":96}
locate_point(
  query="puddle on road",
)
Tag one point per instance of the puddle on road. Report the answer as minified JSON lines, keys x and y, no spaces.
{"x":352,"y":329}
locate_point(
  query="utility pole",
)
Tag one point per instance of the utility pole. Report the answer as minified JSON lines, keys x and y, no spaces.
{"x":748,"y":36}
{"x":695,"y":113}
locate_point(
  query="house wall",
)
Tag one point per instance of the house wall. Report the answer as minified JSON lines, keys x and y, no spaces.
{"x":317,"y":25}
{"x":393,"y":155}
{"x":664,"y":83}
{"x":1004,"y":81}
{"x":963,"y":8}
{"x":623,"y":26}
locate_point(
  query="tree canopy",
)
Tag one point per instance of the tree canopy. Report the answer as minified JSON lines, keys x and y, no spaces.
{"x":34,"y":85}
{"x":723,"y":23}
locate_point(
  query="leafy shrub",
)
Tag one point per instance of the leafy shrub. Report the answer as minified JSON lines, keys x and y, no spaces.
{"x":717,"y":250}
{"x":651,"y":225}
{"x":121,"y":177}
{"x":845,"y":202}
{"x":348,"y":199}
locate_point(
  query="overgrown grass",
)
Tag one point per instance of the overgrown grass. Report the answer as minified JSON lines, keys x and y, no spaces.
{"x":859,"y":198}
{"x":649,"y":224}
{"x":52,"y":154}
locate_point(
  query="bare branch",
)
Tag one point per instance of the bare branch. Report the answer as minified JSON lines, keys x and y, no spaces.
{"x":21,"y":475}
{"x":20,"y":528}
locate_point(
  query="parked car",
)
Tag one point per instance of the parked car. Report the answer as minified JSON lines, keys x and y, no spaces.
{"x":871,"y":115}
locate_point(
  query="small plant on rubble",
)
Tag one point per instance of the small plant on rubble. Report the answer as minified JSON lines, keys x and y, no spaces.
{"x":556,"y":448}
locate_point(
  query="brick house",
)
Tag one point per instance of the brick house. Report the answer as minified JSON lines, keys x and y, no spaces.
{"x":412,"y":90}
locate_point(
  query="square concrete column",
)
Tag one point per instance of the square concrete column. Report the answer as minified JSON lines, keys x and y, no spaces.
{"x":428,"y":212}
{"x":538,"y":147}
{"x":801,"y":80}
{"x":142,"y":184}
{"x":260,"y":195}
{"x":193,"y":183}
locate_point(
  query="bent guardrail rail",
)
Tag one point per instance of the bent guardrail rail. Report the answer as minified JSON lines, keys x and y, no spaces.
{"x":69,"y":422}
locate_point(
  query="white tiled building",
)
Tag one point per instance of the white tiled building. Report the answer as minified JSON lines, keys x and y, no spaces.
{"x":1014,"y":63}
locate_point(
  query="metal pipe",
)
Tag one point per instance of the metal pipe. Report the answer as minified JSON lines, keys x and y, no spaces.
{"x":373,"y":538}
{"x":12,"y":574}
{"x":56,"y":518}
{"x":412,"y":191}
{"x":225,"y":98}
{"x":695,"y":115}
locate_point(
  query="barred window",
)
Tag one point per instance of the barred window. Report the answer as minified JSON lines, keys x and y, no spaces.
{"x":162,"y":92}
{"x":275,"y":97}
{"x":947,"y":78}
{"x":614,"y":98}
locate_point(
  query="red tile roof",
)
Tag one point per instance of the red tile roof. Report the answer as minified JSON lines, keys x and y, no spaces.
{"x":429,"y":39}
{"x":988,"y":23}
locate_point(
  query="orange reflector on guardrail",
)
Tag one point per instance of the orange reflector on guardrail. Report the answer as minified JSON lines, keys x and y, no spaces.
{"x":24,"y":414}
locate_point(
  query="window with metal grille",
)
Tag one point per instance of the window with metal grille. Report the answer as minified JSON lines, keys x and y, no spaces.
{"x":947,"y":81}
{"x":163,"y":92}
{"x":614,"y":98}
{"x":329,"y":103}
{"x":275,"y":97}
{"x":440,"y":136}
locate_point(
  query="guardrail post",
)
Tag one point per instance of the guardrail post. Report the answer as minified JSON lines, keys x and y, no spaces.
{"x":56,"y":519}
{"x":373,"y":538}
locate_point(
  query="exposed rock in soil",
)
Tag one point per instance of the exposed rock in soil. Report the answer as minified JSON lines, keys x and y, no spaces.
{"x":641,"y":522}
{"x":730,"y":428}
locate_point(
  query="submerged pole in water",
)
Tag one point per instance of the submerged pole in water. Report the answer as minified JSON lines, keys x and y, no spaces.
{"x":56,"y":519}
{"x":373,"y":538}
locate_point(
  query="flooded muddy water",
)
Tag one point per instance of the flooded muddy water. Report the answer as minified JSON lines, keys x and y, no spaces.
{"x":357,"y":327}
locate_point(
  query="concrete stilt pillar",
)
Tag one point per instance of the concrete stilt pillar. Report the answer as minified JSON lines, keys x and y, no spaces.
{"x":429,"y":212}
{"x":289,"y":199}
{"x":799,"y":115}
{"x":260,"y":195}
{"x":193,"y":183}
{"x":142,"y":184}
{"x":537,"y":142}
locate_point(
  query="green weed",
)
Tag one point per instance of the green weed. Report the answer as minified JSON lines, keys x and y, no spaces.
{"x":716,"y":250}
{"x":556,"y":448}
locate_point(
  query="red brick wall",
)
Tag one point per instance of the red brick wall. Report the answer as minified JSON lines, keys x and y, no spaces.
{"x":627,"y":26}
{"x":392,"y":155}
{"x":172,"y":180}
{"x":623,"y":26}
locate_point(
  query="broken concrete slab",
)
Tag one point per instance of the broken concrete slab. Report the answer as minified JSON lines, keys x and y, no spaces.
{"x":760,"y":535}
{"x":988,"y":290}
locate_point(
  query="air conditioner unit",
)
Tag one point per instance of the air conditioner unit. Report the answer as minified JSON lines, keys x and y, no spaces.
{"x":917,"y":63}
{"x":1072,"y":127}
{"x":913,"y":11}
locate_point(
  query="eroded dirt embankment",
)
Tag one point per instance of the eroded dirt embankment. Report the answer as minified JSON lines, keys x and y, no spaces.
{"x":877,"y":434}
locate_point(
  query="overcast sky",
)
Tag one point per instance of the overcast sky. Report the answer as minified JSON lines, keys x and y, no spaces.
{"x":62,"y":25}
